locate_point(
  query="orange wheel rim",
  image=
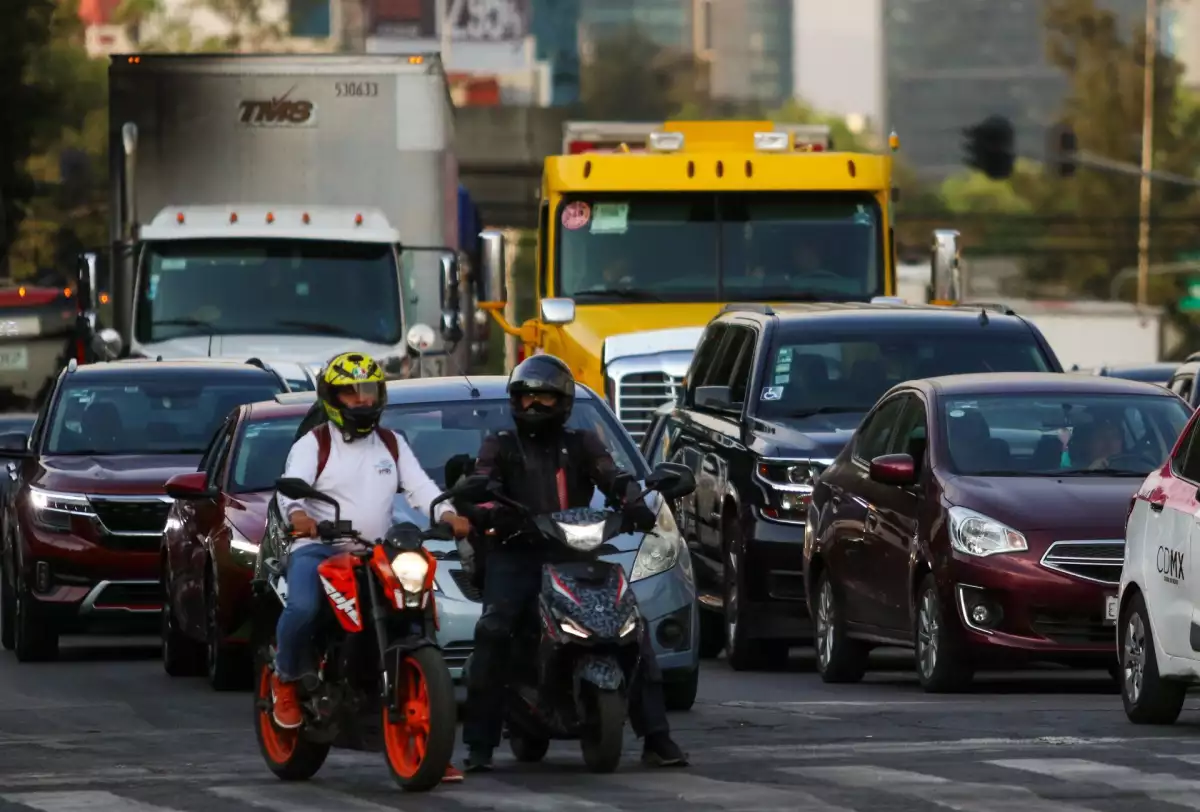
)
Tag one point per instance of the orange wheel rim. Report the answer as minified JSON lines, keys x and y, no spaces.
{"x":279,"y":743}
{"x":407,"y":737}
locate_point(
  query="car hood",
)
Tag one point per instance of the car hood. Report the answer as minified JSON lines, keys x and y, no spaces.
{"x":115,"y":474}
{"x":1093,"y":505}
{"x":819,"y":436}
{"x":247,"y":512}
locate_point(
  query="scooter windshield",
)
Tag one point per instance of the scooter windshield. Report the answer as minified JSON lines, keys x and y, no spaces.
{"x":582,"y":529}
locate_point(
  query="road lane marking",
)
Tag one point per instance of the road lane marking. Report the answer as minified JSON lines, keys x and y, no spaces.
{"x":827,"y":750}
{"x":281,"y":797}
{"x":960,"y":796}
{"x":741,"y":796}
{"x":82,"y":801}
{"x":1162,"y":787}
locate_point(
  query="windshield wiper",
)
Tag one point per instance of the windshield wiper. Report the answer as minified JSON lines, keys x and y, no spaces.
{"x":826,"y":410}
{"x":1098,"y":472}
{"x":318,"y":327}
{"x":184,"y":322}
{"x":630,"y":295}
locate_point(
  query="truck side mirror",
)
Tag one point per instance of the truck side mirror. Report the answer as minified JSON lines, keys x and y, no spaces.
{"x":450,"y":301}
{"x":86,"y":274}
{"x":945,"y":270}
{"x":492,"y":278}
{"x":107,"y":344}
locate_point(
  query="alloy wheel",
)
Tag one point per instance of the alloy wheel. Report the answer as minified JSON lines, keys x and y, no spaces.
{"x":927,"y":634}
{"x":1133,"y":661}
{"x":825,"y":619}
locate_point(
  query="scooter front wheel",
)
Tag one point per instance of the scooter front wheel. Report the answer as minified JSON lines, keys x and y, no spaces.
{"x":604,"y":731}
{"x":287,"y":753}
{"x":419,"y":738}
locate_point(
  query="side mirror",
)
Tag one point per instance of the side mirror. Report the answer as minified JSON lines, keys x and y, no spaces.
{"x":15,"y":444}
{"x":492,"y":278}
{"x":451,"y":303}
{"x":714,"y":397}
{"x":474,"y":489}
{"x":193,"y":485}
{"x":894,"y":469}
{"x":107,"y":344}
{"x":420,"y":338}
{"x":558,"y":311}
{"x":294,"y":488}
{"x":457,"y":467}
{"x":945,"y":270}
{"x":405,"y":536}
{"x":671,"y":479}
{"x":86,"y":279}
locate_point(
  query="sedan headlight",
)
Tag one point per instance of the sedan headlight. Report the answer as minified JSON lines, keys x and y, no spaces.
{"x":975,"y":534}
{"x":660,"y":549}
{"x":243,"y":551}
{"x":53,"y":510}
{"x":410,"y":570}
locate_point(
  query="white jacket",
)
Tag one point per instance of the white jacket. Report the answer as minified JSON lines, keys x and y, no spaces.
{"x":363,"y":478}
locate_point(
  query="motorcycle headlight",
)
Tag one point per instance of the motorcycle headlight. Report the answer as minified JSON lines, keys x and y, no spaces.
{"x":975,"y":534}
{"x":243,"y":551}
{"x":630,"y":625}
{"x":660,"y":549}
{"x":410,"y":570}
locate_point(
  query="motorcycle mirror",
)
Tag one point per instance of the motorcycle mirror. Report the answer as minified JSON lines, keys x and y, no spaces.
{"x":672,"y":480}
{"x":404,"y":536}
{"x":474,"y":488}
{"x":294,"y":488}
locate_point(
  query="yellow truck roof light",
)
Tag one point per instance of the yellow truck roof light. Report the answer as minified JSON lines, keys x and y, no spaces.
{"x":772,"y":142}
{"x":666,"y":142}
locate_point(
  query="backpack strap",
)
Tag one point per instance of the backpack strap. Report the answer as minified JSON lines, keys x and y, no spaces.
{"x":324,"y":442}
{"x":389,"y":440}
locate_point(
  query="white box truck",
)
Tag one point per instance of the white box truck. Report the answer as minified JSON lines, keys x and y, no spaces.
{"x":300,"y":206}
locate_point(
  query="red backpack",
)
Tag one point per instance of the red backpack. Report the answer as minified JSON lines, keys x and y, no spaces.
{"x":324,"y":439}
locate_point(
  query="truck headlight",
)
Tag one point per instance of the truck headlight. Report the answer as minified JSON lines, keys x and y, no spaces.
{"x":978,"y":535}
{"x":410,"y":570}
{"x":660,"y":548}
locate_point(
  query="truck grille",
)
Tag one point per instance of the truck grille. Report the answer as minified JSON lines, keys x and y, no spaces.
{"x":1098,"y":561}
{"x":639,"y":394}
{"x":137,"y":517}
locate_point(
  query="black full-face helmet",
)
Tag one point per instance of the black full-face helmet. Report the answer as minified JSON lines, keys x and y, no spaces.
{"x":541,"y":375}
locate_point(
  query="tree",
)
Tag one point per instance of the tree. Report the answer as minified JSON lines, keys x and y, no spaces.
{"x":629,"y":77}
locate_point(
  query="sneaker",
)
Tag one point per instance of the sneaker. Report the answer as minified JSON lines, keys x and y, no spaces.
{"x":453,"y":775}
{"x":661,"y":751}
{"x":479,"y":759}
{"x":286,"y":709}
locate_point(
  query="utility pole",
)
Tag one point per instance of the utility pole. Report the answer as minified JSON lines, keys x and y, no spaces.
{"x":1147,"y":152}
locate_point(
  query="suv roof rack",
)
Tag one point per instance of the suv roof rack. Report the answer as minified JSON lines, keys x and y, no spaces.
{"x":748,"y":307}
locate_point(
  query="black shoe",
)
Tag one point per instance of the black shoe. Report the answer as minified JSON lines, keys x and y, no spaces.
{"x":662,"y":751}
{"x":479,"y":760}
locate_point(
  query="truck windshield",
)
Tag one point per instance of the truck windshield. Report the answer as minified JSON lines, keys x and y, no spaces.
{"x":708,"y":247}
{"x":268,"y":287}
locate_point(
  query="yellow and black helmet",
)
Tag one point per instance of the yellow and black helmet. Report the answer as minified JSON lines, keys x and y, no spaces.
{"x":357,"y":373}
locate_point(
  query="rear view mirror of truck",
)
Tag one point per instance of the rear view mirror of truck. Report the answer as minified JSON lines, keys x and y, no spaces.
{"x":493,"y":275}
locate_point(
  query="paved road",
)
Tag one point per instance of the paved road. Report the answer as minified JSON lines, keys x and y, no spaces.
{"x":107,"y":730}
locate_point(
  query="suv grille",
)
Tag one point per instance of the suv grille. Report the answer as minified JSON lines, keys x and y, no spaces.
{"x":1098,"y":561}
{"x":639,"y":394}
{"x":464,"y":584}
{"x":456,"y":652}
{"x":132,"y":516}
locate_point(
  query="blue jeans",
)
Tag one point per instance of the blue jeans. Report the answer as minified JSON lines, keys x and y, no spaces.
{"x":304,"y":599}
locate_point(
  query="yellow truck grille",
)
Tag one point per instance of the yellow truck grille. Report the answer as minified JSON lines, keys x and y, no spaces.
{"x":639,"y":394}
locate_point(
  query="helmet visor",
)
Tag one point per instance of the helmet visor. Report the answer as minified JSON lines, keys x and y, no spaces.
{"x":358,"y":394}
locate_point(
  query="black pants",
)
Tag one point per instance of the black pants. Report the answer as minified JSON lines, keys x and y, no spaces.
{"x":510,"y":587}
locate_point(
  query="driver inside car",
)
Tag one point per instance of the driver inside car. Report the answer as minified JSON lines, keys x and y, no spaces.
{"x":546,"y":467}
{"x":351,"y":458}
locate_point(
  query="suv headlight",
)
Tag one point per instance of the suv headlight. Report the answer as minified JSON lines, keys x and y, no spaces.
{"x":53,"y":510}
{"x":660,"y":549}
{"x":243,"y":551}
{"x":789,"y":485}
{"x":975,"y":534}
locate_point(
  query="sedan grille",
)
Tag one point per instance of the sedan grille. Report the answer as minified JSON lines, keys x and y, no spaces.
{"x":136,"y":517}
{"x":463,"y":582}
{"x":1097,"y":561}
{"x":639,"y":395}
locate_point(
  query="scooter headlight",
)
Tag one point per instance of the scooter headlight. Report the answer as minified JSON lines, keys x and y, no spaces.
{"x":410,"y":570}
{"x":572,"y":628}
{"x":630,"y":625}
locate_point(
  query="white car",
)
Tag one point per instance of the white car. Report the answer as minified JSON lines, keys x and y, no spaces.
{"x":1158,"y":631}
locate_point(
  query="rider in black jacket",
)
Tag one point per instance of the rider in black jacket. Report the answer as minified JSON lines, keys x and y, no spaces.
{"x":546,"y":467}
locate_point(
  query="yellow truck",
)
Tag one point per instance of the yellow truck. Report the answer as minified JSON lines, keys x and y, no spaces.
{"x":646,"y":231}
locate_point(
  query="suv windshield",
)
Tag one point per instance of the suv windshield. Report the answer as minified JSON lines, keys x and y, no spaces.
{"x":438,"y":431}
{"x":268,"y":287}
{"x":849,"y":373}
{"x":1060,"y":434}
{"x":262,"y":451}
{"x":171,"y":415}
{"x":708,"y":247}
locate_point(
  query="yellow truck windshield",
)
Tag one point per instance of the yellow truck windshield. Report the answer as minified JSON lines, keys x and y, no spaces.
{"x":719,"y":247}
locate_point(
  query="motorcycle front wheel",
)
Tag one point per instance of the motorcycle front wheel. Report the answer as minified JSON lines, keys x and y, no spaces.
{"x":287,"y":753}
{"x":419,"y":739}
{"x":604,"y":731}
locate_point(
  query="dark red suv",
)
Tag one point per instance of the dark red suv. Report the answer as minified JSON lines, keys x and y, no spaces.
{"x":980,"y":520}
{"x":85,"y":518}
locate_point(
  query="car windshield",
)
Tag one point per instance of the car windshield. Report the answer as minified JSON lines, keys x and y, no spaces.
{"x":168,"y":415}
{"x":1067,"y":434}
{"x":849,"y":373}
{"x":261,"y":452}
{"x":271,"y":287}
{"x":705,"y":247}
{"x":437,"y":432}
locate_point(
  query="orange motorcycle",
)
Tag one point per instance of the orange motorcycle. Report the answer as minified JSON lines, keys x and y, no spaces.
{"x":381,"y":682}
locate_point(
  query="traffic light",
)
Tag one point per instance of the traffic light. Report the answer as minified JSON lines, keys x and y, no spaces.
{"x":1063,"y":146}
{"x":990,"y":147}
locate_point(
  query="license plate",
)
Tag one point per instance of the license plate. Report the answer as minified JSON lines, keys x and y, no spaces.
{"x":14,"y":358}
{"x":1110,"y":609}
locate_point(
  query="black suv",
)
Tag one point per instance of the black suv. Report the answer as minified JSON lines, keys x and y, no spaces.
{"x":772,"y":396}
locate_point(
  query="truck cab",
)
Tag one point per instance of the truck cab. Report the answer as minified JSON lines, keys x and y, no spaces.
{"x":645,"y":232}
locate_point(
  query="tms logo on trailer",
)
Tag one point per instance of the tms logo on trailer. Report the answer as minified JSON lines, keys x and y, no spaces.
{"x":280,"y":112}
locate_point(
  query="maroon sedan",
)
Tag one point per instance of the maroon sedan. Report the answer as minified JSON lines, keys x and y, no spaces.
{"x":85,"y":516}
{"x":980,"y":520}
{"x":211,"y":543}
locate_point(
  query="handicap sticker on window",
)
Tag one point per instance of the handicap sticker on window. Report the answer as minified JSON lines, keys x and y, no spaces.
{"x":772,"y":393}
{"x":610,"y":218}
